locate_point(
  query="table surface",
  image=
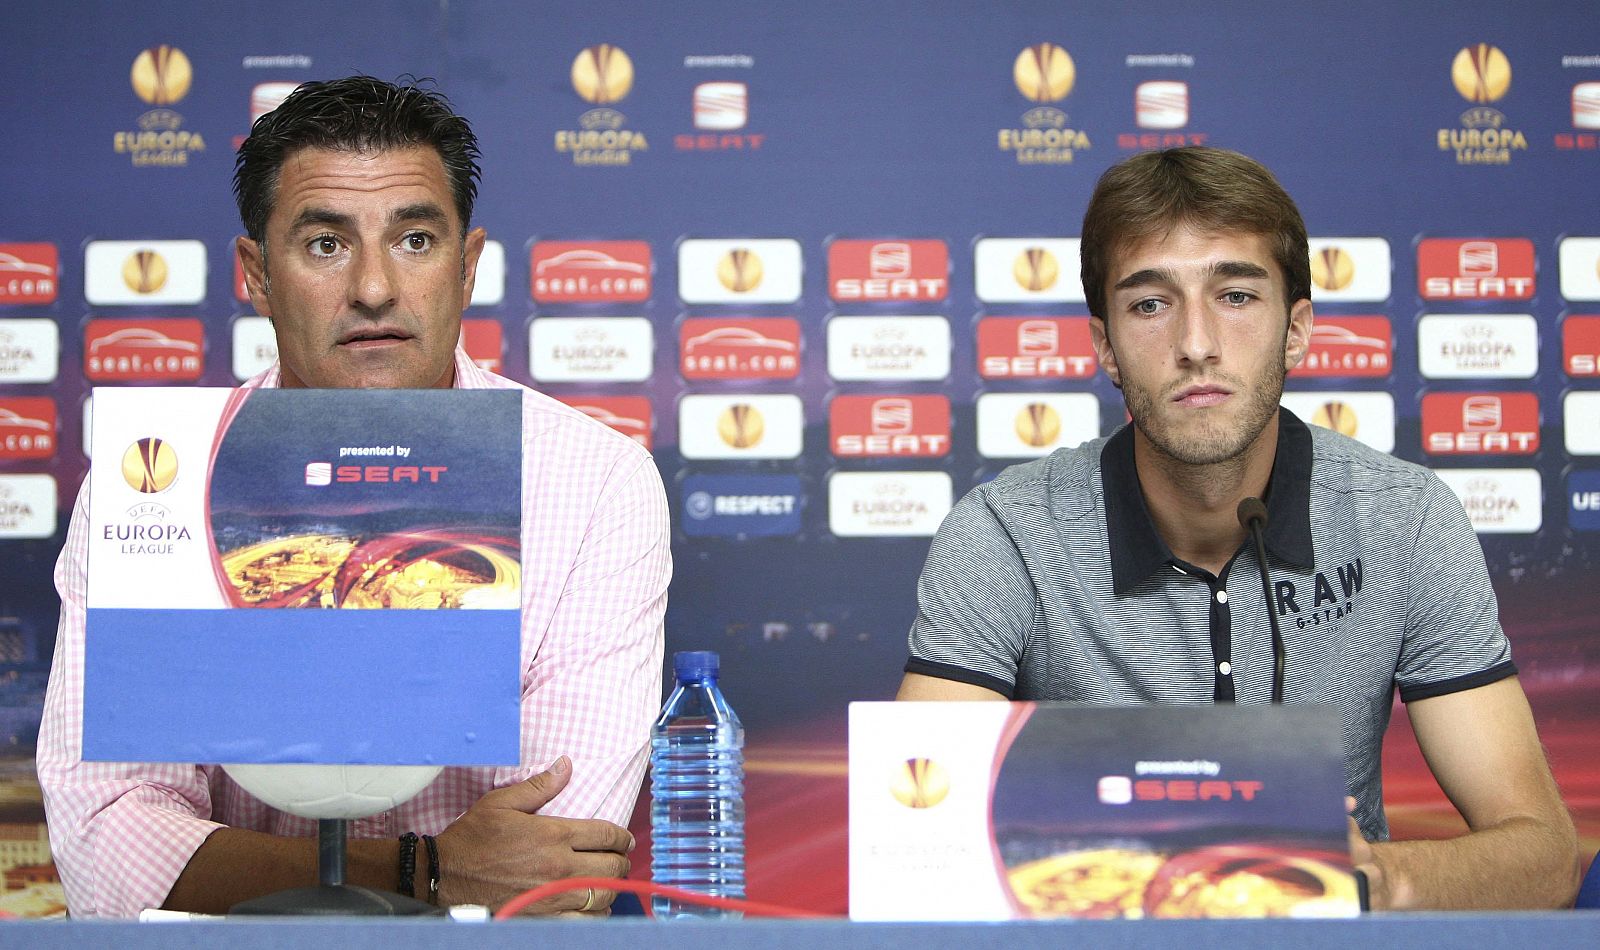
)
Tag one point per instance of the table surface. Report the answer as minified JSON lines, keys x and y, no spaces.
{"x":1544,"y":931}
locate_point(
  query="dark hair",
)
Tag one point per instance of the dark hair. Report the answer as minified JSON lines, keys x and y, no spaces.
{"x":354,"y":114}
{"x":1209,"y":188}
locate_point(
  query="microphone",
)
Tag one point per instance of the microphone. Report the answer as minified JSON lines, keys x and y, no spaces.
{"x":1253,"y":518}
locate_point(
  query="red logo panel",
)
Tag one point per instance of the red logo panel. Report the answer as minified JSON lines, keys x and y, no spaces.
{"x":629,"y":415}
{"x":1580,"y":346}
{"x":889,"y":426}
{"x":1348,"y":346}
{"x":27,"y":428}
{"x":124,"y":351}
{"x":590,"y":271}
{"x":911,"y":271}
{"x":482,"y":340}
{"x":1035,"y":348}
{"x":1475,"y":269}
{"x":756,"y":348}
{"x":1480,"y":423}
{"x":28,"y":273}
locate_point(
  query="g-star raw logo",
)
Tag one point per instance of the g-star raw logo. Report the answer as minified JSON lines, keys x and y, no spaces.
{"x":1326,"y":604}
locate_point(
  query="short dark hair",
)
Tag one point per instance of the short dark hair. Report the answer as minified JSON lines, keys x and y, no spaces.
{"x":1210,"y":188}
{"x":354,"y":114}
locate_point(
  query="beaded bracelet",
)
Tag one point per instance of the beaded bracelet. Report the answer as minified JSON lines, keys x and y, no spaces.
{"x":433,"y":868}
{"x":408,"y":863}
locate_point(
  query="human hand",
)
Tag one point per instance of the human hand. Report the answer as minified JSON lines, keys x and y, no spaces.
{"x":1365,"y":860}
{"x":500,"y":848}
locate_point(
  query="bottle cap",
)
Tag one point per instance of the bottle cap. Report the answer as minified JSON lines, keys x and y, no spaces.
{"x":695,"y":665}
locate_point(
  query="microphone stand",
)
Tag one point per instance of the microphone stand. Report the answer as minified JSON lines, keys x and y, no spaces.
{"x":332,"y":897}
{"x":1253,"y":518}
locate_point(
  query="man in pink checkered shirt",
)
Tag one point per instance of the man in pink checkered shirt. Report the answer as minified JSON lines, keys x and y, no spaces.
{"x":356,"y":196}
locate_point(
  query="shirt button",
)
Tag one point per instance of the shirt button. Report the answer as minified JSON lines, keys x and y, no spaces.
{"x":1225,"y":668}
{"x":1222,"y":596}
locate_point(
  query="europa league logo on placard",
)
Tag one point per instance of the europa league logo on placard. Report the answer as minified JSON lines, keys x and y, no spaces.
{"x":1044,"y":72}
{"x":1481,"y":73}
{"x":161,"y":75}
{"x":602,"y":74}
{"x":145,"y":272}
{"x":920,"y":783}
{"x":1036,"y":270}
{"x":1038,"y":425}
{"x":150,"y":465}
{"x":741,"y":425}
{"x":740,"y":270}
{"x":1338,"y":416}
{"x":1332,"y":268}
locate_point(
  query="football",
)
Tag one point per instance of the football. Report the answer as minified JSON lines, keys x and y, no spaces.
{"x":333,"y":791}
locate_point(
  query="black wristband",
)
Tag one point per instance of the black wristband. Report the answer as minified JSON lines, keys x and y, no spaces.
{"x":433,"y":868}
{"x":408,"y":863}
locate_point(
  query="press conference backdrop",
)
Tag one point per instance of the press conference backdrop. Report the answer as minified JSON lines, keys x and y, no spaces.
{"x":820,"y":258}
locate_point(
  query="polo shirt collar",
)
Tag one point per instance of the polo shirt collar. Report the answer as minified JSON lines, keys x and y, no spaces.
{"x":1137,"y":550}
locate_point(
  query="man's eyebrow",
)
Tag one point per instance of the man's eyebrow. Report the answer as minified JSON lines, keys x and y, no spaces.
{"x":1240,"y":269}
{"x":309,"y":217}
{"x":1146,"y":277}
{"x":424,"y":211}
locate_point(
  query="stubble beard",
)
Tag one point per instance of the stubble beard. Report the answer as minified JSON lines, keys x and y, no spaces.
{"x":1215,"y":441}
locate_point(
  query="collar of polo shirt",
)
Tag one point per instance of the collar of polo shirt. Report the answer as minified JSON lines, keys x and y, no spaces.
{"x":1137,"y":550}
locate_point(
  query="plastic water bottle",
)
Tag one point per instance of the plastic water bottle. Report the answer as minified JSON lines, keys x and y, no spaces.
{"x":697,"y":791}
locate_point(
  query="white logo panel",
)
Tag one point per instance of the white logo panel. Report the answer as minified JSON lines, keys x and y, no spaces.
{"x":489,"y":285}
{"x":1028,"y":270}
{"x":739,"y":270}
{"x":123,"y":273}
{"x":590,"y":349}
{"x":888,"y":504}
{"x":1360,"y":274}
{"x":888,"y":348}
{"x":1586,"y":105}
{"x":1579,"y":258}
{"x":267,"y":96}
{"x":1161,"y":104}
{"x":27,"y":507}
{"x":1480,"y":346}
{"x":30,"y":350}
{"x":1028,"y":425}
{"x":721,"y":106}
{"x":1364,"y":416}
{"x":1498,"y":500}
{"x":740,"y":426}
{"x":255,"y":346}
{"x":1581,"y":412}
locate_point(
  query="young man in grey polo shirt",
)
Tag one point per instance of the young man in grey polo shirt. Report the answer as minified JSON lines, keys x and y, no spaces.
{"x":1118,"y":572}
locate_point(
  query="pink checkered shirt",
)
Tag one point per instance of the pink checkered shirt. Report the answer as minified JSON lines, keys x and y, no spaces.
{"x":596,"y":559}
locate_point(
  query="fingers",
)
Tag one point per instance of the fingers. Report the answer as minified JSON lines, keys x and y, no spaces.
{"x":596,"y":834}
{"x":584,"y":903}
{"x":596,"y":864}
{"x":535,"y":792}
{"x":600,"y":914}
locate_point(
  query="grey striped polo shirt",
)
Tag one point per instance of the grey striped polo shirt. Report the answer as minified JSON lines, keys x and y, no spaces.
{"x":1051,"y":583}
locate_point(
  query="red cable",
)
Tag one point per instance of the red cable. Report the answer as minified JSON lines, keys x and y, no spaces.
{"x":539,"y":893}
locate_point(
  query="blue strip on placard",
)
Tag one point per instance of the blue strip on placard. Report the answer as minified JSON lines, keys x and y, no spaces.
{"x":1583,"y":499}
{"x":734,"y":506}
{"x":395,"y":687}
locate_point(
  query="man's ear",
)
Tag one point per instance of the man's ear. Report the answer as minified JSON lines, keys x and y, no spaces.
{"x":253,"y":260}
{"x":1103,"y":350}
{"x":471,"y":251}
{"x":1298,"y":339}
